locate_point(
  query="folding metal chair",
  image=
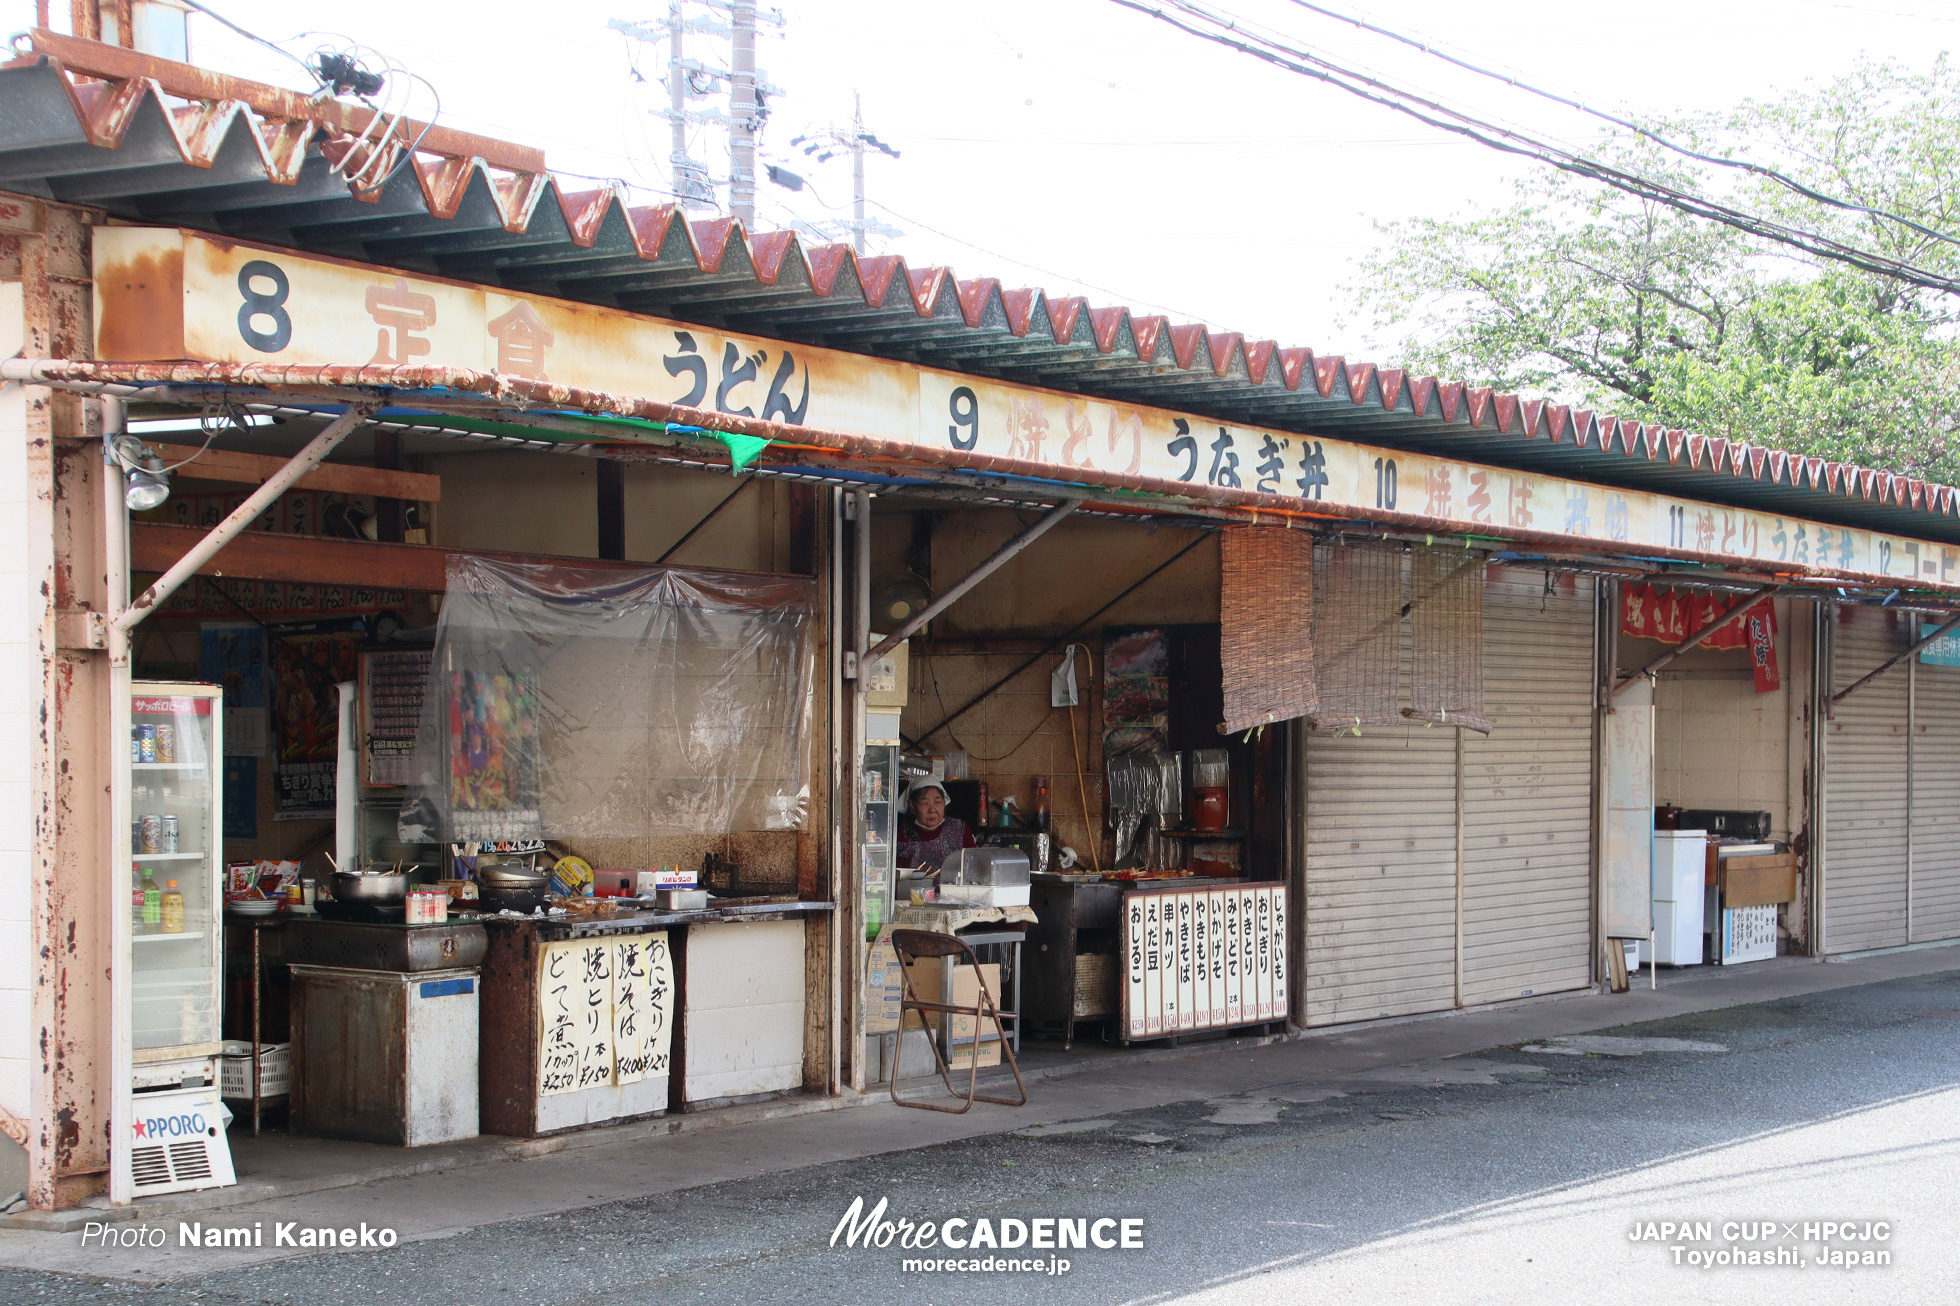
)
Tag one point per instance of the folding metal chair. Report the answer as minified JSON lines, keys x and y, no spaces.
{"x":911,"y":945}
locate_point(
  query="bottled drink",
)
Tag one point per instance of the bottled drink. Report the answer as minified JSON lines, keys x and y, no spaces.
{"x":1041,"y":802}
{"x":170,"y":909}
{"x":136,"y":907}
{"x":152,"y":902}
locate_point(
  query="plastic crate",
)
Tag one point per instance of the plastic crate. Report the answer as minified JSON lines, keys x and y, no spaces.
{"x":235,"y":1070}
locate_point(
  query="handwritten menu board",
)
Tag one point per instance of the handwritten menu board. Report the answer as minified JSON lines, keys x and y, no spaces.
{"x":607,"y":1012}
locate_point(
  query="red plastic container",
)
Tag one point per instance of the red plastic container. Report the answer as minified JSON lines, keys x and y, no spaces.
{"x":1208,"y":809}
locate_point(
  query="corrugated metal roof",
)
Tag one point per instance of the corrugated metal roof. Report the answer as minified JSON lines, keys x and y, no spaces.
{"x":163,"y":143}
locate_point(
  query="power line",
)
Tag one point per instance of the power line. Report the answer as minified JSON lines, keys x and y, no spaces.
{"x":1236,"y":36}
{"x":1717,"y":160}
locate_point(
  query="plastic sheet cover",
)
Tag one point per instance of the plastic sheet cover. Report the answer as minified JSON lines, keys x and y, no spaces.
{"x":607,"y":703}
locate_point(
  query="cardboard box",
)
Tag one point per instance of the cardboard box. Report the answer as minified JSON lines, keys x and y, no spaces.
{"x":962,"y":1058}
{"x":966,"y":992}
{"x":1759,"y":881}
{"x":883,"y":986}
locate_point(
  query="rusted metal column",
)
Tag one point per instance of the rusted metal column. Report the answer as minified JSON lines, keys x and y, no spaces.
{"x":122,"y":1052}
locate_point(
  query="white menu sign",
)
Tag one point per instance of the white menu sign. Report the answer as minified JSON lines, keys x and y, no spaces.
{"x":605,"y":1009}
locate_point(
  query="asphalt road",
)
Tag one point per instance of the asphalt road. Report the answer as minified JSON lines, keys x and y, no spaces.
{"x":1510,"y":1176}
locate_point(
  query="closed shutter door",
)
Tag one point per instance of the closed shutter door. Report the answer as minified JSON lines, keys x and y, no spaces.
{"x":1528,"y":793}
{"x":1935,"y":802}
{"x":1381,"y":873}
{"x":1865,"y":788}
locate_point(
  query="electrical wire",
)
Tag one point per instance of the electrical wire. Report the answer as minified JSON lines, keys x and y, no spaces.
{"x":249,"y":35}
{"x":234,"y":420}
{"x":388,"y":115}
{"x":1236,"y":36}
{"x":1081,"y":791}
{"x":1718,"y":160}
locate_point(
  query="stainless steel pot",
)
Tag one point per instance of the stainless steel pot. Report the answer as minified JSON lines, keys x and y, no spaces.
{"x":385,"y":887}
{"x":512,"y":875}
{"x":506,"y":897}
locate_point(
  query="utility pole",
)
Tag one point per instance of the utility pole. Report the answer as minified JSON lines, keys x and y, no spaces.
{"x":684,"y":168}
{"x":857,"y":171}
{"x":741,"y":112}
{"x":824,"y":146}
{"x":690,"y":79}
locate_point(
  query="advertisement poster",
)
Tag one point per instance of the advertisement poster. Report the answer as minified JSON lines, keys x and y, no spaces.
{"x":232,"y":655}
{"x":307,"y":716}
{"x":493,"y":769}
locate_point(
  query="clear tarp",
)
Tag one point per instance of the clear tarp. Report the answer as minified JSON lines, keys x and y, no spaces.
{"x":608,"y":703}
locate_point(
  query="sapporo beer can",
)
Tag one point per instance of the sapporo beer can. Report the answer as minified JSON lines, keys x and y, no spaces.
{"x":167,"y":840}
{"x":166,"y":743}
{"x":149,"y":833}
{"x":146,"y":743}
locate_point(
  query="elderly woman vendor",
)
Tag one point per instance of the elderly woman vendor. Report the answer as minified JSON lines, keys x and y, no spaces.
{"x":927,"y":836}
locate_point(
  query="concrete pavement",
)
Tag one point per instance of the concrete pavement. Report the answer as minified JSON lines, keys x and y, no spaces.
{"x":1233,"y":1087}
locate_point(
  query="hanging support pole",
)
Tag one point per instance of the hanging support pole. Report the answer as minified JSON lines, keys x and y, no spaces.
{"x":1884,"y":667}
{"x":243,"y":516}
{"x":1735,"y":614}
{"x":974,"y":577}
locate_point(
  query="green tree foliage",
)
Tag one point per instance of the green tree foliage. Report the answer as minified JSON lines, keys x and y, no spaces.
{"x":1633,"y":308}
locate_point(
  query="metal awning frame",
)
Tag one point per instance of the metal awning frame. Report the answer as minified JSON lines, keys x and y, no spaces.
{"x":640,"y":429}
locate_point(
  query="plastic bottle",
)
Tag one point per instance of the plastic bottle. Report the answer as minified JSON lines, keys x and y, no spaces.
{"x":152,"y":902}
{"x":1041,"y":802}
{"x":170,"y":909}
{"x":136,"y":907}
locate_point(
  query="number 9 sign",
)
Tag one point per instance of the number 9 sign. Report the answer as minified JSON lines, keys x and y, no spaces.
{"x":964,"y":408}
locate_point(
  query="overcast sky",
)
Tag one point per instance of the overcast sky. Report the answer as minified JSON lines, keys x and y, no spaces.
{"x":1084,"y":148}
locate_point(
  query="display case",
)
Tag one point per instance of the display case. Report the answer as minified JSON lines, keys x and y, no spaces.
{"x":878,"y":830}
{"x":177,"y":865}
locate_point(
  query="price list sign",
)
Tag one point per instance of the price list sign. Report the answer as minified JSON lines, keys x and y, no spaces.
{"x":606,"y":1012}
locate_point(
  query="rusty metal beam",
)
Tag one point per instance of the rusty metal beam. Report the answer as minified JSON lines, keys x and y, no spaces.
{"x":1000,"y":557}
{"x":1884,"y":667}
{"x":332,"y":478}
{"x":243,"y":515}
{"x":508,"y":398}
{"x":1735,"y":614}
{"x":314,"y":560}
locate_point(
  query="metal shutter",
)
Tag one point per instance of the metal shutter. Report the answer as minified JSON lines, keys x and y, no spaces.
{"x":1865,"y":788}
{"x":1381,"y":873}
{"x":1528,"y":793}
{"x":1935,"y":906}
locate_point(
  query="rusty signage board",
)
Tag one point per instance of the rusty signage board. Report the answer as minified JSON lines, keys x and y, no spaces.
{"x":165,"y":294}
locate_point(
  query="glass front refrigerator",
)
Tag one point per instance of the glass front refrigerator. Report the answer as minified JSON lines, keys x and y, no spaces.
{"x":176,"y":907}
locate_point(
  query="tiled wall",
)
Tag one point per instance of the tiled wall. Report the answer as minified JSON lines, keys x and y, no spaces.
{"x":1717,"y":742}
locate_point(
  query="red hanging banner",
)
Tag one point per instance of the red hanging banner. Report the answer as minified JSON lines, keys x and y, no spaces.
{"x":1670,"y":616}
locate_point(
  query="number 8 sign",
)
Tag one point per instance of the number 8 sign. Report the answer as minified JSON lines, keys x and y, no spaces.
{"x":267,"y":305}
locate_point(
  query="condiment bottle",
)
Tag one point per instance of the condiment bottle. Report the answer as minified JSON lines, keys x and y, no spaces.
{"x":1041,"y":802}
{"x":170,"y":909}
